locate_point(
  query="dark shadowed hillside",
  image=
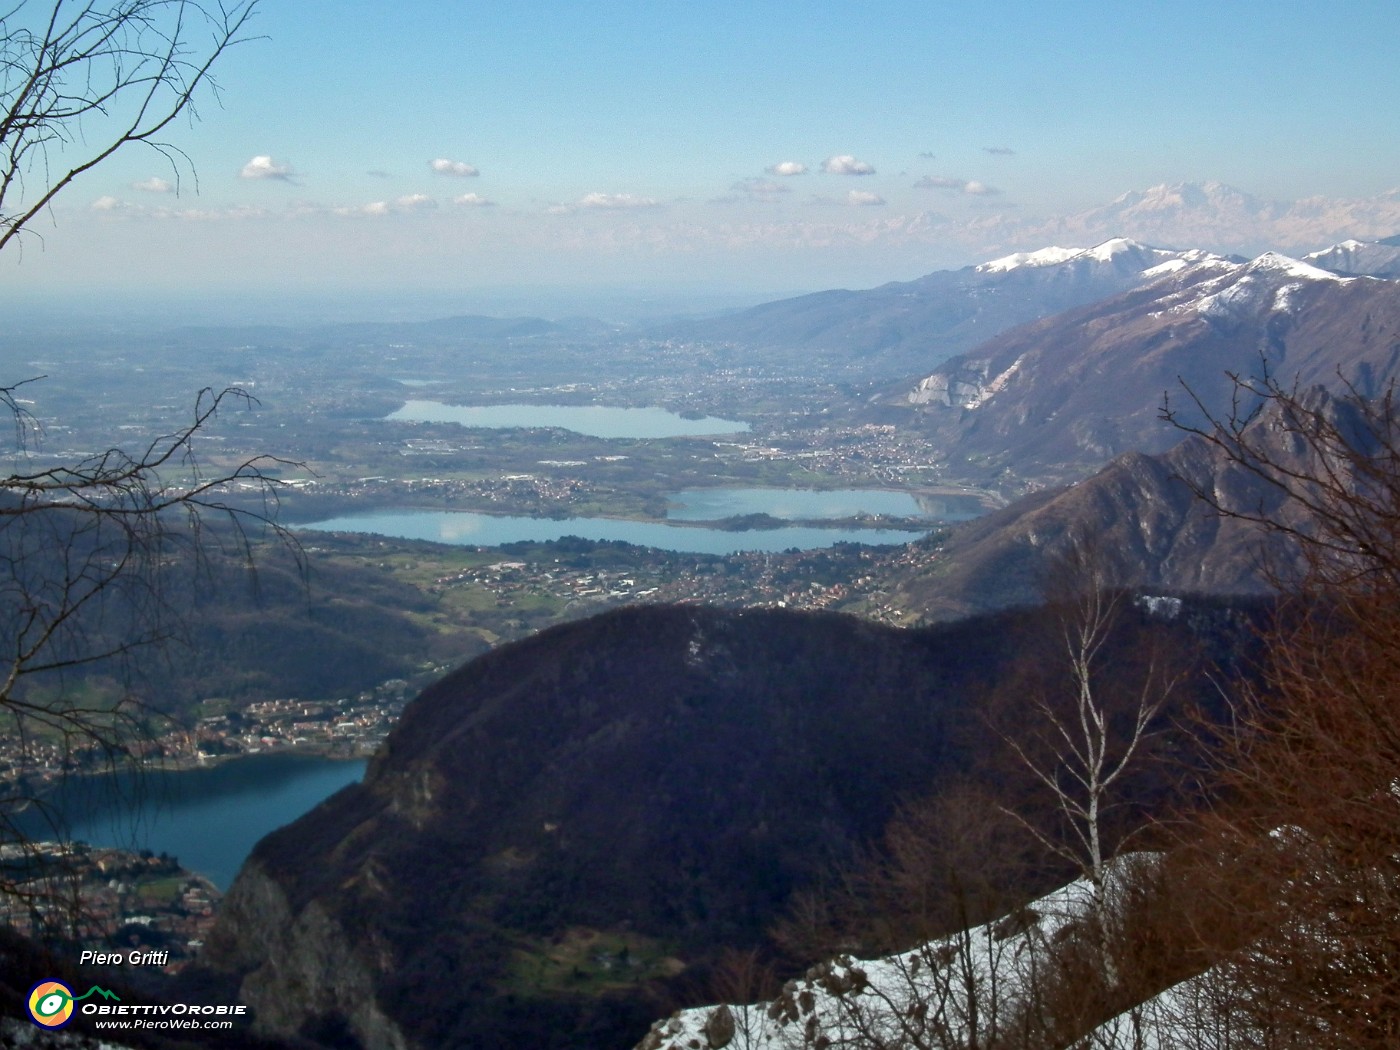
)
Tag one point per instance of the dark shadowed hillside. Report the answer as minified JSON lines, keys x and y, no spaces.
{"x":1149,"y":510}
{"x":564,"y":829}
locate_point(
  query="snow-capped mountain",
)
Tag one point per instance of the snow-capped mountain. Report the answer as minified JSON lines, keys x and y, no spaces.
{"x":1220,"y":217}
{"x":896,"y":328}
{"x":1056,"y":398}
{"x":1124,"y":255}
{"x":1362,"y":258}
{"x":1269,"y":283}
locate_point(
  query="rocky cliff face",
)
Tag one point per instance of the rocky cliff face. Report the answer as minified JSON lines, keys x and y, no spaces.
{"x":303,"y":971}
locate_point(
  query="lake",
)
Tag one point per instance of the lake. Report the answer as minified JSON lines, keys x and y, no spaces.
{"x":491,"y":530}
{"x":601,"y":421}
{"x":209,"y":818}
{"x":712,"y":504}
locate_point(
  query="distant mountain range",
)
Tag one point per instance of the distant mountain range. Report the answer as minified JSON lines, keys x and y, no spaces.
{"x":1210,"y":215}
{"x":900,"y":327}
{"x":1055,"y":399}
{"x":1362,"y":258}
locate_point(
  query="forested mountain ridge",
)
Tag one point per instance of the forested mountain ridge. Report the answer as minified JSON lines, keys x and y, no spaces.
{"x":654,"y":782}
{"x":1167,"y":518}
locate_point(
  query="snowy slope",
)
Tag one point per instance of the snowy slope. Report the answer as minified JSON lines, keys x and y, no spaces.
{"x":1365,"y":258}
{"x":1120,"y":253}
{"x":958,"y":991}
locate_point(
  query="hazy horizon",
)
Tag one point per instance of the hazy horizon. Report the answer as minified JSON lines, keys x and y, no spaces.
{"x":480,"y":154}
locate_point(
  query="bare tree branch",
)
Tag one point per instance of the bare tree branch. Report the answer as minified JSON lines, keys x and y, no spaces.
{"x":86,"y":549}
{"x":127,"y":67}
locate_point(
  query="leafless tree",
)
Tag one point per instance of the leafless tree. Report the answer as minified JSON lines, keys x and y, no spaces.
{"x":1312,"y":810}
{"x":937,"y":903}
{"x":87,"y":553}
{"x":87,"y":549}
{"x":1091,"y":718}
{"x":80,"y":81}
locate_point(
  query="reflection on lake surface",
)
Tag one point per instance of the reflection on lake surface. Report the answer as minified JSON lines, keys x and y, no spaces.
{"x":491,"y":530}
{"x":601,"y":421}
{"x":209,"y":818}
{"x":813,"y":504}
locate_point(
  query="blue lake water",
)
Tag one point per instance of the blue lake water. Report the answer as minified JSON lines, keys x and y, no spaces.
{"x":208,"y":818}
{"x":602,"y":421}
{"x":490,"y":530}
{"x":814,"y":504}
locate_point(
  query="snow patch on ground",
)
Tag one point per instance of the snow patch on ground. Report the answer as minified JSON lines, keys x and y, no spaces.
{"x":953,"y":985}
{"x":1159,"y":605}
{"x":17,"y":1033}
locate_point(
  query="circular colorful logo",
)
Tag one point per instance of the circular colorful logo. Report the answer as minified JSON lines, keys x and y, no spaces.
{"x":50,"y":1004}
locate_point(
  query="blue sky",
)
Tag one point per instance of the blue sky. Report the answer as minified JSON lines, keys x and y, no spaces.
{"x":753,"y":148}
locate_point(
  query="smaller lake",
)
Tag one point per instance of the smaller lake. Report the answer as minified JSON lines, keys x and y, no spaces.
{"x":600,"y":421}
{"x":813,"y":504}
{"x":491,"y":530}
{"x":209,"y":818}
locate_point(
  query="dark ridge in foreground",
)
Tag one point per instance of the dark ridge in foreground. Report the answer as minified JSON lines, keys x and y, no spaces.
{"x":556,"y":831}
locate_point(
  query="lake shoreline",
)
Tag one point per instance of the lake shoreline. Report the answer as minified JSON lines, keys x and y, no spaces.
{"x":209,"y":816}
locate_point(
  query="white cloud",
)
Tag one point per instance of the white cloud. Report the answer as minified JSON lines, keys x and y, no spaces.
{"x":456,"y":168}
{"x":787,"y":167}
{"x":617,"y":200}
{"x":474,"y":200}
{"x":862,"y":197}
{"x":263,"y":167}
{"x":413,"y":202}
{"x":853,"y":198}
{"x":154,"y":185}
{"x":999,"y":151}
{"x":845,"y":164}
{"x":969,"y":186}
{"x":760,"y":189}
{"x":374,"y":208}
{"x":163,"y":213}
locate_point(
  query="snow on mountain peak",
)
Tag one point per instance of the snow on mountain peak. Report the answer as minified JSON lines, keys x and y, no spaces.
{"x":1044,"y":257}
{"x":1269,"y":282}
{"x":1114,"y":246}
{"x":1194,"y":258}
{"x":1291,"y":267}
{"x":1106,"y":252}
{"x":1368,"y":258}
